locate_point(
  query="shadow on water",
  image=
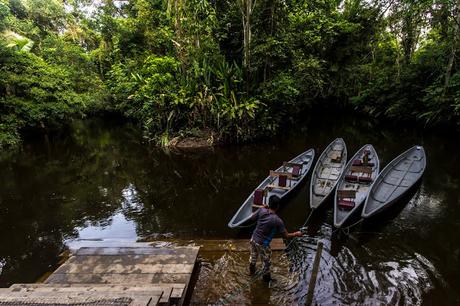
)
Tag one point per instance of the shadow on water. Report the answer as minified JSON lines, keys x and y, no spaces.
{"x":376,"y":223}
{"x":101,"y":182}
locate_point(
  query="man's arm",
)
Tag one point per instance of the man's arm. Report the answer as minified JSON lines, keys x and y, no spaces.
{"x":288,"y":235}
{"x":282,"y":229}
{"x":260,"y":206}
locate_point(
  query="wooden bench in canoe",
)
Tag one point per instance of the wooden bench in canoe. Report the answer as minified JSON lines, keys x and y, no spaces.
{"x":282,"y":180}
{"x":346,"y":198}
{"x":362,"y":169}
{"x":336,"y":157}
{"x":296,"y":169}
{"x":366,"y":178}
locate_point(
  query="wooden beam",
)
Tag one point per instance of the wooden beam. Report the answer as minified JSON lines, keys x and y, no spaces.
{"x":81,"y":297}
{"x":226,"y":245}
{"x":278,"y":173}
{"x":314,"y":274}
{"x":127,"y":279}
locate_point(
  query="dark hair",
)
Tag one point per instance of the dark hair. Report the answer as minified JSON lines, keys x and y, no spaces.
{"x":274,"y":202}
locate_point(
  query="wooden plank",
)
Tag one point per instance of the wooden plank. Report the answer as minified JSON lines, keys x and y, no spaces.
{"x":185,"y":258}
{"x":232,"y":245}
{"x":137,"y":251}
{"x":346,"y":193}
{"x":150,"y":289}
{"x":236,"y":245}
{"x":177,"y":293}
{"x":277,"y":187}
{"x":72,"y":298}
{"x":115,"y":268}
{"x":119,"y":278}
{"x":363,"y":169}
{"x":314,"y":274}
{"x":165,"y":297}
{"x":165,"y":292}
{"x":279,"y":173}
{"x":76,"y":285}
{"x":167,"y":270}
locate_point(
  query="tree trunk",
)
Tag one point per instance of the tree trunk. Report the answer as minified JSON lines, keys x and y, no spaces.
{"x":453,"y":49}
{"x":272,"y":28}
{"x":246,"y":8}
{"x":179,"y":37}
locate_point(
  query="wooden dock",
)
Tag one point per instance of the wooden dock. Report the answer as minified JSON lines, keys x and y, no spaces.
{"x":140,"y":276}
{"x":226,"y":245}
{"x":146,"y":273}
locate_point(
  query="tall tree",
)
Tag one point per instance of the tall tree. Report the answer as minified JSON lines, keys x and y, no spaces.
{"x":247,"y":9}
{"x":454,"y":41}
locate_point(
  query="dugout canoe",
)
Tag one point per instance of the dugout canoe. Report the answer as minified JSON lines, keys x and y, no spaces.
{"x":354,"y":184}
{"x":300,"y":164}
{"x":328,"y":169}
{"x":395,"y":180}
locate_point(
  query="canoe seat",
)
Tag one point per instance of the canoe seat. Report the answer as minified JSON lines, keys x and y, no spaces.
{"x":282,"y":180}
{"x":351,"y":178}
{"x":346,"y":204}
{"x":346,"y":199}
{"x":366,"y":176}
{"x":275,"y":174}
{"x":337,"y":157}
{"x":362,"y":169}
{"x":259,"y":195}
{"x":296,"y":169}
{"x":365,"y":179}
{"x":359,"y":162}
{"x":358,"y":179}
{"x":278,"y":187}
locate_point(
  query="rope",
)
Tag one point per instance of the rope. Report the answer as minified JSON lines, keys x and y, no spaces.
{"x":346,"y":230}
{"x":301,"y":228}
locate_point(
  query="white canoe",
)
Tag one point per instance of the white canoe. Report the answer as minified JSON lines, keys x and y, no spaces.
{"x":327,"y":172}
{"x":354,"y":184}
{"x":241,"y":218}
{"x":394,"y":180}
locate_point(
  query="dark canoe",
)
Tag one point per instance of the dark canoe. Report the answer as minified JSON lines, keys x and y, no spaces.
{"x":241,"y":218}
{"x":327,"y":172}
{"x":394,"y":180}
{"x":356,"y":178}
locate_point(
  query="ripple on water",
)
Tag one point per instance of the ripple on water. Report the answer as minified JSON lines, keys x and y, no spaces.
{"x":351,"y":276}
{"x":355,"y":276}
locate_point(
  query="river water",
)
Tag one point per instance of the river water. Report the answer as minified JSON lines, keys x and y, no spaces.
{"x":98,"y":181}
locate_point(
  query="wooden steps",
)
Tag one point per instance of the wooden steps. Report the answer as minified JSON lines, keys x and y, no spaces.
{"x":142,"y":275}
{"x":79,"y":297}
{"x":163,"y":292}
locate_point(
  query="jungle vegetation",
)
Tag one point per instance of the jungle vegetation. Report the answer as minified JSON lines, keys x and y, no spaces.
{"x":237,"y":68}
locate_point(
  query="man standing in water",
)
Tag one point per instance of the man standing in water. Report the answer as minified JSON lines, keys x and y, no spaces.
{"x":268,"y":225}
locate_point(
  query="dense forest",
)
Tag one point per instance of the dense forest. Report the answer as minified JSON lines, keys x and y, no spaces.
{"x":234,"y":69}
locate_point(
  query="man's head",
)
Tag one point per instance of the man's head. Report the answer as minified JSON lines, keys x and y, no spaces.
{"x":274,"y":202}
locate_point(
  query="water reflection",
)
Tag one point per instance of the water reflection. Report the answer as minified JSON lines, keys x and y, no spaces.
{"x":102,"y":183}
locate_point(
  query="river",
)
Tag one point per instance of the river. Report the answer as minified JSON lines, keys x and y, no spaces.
{"x":99,"y":181}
